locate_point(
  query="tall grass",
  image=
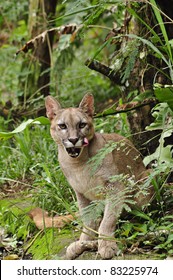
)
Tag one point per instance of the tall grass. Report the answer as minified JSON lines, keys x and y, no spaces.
{"x":31,"y":156}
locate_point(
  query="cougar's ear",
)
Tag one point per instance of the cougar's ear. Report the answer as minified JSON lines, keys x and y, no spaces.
{"x":52,"y":107}
{"x":87,"y":104}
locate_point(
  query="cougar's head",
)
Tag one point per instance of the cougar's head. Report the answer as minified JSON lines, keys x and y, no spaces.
{"x":71,"y":127}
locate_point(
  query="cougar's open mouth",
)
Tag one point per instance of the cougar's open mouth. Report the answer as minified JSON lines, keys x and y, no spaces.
{"x":74,"y":151}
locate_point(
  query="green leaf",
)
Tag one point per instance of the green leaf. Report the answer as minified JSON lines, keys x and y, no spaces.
{"x":155,"y":35}
{"x":163,"y":119}
{"x":144,"y":95}
{"x":126,"y":229}
{"x":151,"y":46}
{"x":162,"y":154}
{"x":23,"y":126}
{"x":42,"y":120}
{"x":141,"y":228}
{"x":130,"y":64}
{"x":101,"y":48}
{"x":141,"y":215}
{"x":108,"y":111}
{"x":78,"y":11}
{"x":162,"y":26}
{"x":166,"y":244}
{"x":165,"y":95}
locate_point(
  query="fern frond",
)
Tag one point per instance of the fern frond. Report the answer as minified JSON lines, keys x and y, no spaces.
{"x":130,"y":64}
{"x":97,"y":160}
{"x":93,"y":211}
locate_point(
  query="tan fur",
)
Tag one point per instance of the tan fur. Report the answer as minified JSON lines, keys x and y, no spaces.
{"x":73,"y":131}
{"x":43,"y":220}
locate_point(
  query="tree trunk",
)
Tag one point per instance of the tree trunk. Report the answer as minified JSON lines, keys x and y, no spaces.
{"x":136,"y":70}
{"x":46,"y":12}
{"x":38,"y":80}
{"x":143,"y":78}
{"x":43,"y":53}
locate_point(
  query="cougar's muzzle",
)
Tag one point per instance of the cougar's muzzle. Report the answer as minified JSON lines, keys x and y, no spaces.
{"x":74,"y":151}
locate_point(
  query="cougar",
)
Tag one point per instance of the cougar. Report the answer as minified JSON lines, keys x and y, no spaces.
{"x":73,"y":131}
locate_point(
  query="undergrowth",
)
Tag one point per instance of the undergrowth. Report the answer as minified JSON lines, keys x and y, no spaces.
{"x":31,"y":157}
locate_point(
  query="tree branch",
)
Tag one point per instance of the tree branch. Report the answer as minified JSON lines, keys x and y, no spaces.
{"x":103,"y":69}
{"x":125,"y":108}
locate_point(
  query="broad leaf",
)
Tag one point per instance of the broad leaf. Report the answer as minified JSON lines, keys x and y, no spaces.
{"x":140,"y":214}
{"x":164,"y":122}
{"x":22,"y":127}
{"x":165,"y":95}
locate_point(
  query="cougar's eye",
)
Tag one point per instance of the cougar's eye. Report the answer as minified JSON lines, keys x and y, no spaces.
{"x":82,"y":125}
{"x":62,"y":126}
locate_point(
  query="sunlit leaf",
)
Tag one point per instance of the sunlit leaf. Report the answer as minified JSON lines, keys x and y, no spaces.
{"x":23,"y":126}
{"x":165,"y":95}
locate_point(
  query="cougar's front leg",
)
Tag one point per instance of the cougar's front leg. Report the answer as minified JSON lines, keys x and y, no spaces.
{"x":107,"y":246}
{"x":87,"y":238}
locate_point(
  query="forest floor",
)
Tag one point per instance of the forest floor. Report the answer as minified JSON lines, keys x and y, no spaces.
{"x":32,"y":243}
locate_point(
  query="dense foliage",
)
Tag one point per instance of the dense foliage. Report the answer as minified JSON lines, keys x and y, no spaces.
{"x":140,"y":74}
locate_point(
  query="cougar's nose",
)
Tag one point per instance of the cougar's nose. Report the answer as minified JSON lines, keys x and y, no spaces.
{"x":73,"y":140}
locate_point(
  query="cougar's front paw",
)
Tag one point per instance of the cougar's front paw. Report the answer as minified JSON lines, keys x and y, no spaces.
{"x":77,"y":248}
{"x":107,"y":249}
{"x":74,"y":250}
